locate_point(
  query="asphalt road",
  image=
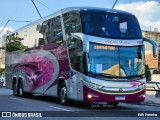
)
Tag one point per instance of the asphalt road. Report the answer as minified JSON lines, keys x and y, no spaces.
{"x":49,"y":106}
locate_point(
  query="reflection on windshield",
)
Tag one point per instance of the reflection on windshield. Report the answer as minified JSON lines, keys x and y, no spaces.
{"x":110,"y":25}
{"x":117,"y":61}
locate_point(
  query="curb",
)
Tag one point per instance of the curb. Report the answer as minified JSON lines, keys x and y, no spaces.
{"x":4,"y":87}
{"x":151,"y":102}
{"x":148,"y":103}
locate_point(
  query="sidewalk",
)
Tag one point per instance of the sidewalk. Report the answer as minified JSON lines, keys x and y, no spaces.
{"x":151,"y":99}
{"x":150,"y":95}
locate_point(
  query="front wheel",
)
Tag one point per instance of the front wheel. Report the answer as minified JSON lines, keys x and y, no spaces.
{"x":62,"y":94}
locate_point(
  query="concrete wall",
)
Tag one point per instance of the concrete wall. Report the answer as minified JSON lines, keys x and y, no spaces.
{"x":155,"y":78}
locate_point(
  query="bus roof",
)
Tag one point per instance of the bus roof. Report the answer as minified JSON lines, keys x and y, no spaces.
{"x":94,"y":9}
{"x":65,"y":10}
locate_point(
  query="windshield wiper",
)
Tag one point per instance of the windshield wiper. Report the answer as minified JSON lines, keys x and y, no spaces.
{"x":92,"y":74}
{"x":141,"y":76}
{"x":103,"y":74}
{"x":109,"y":75}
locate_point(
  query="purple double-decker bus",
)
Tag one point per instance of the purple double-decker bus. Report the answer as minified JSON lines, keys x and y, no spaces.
{"x":80,"y":53}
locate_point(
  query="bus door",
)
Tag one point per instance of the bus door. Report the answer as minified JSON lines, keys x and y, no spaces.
{"x":76,"y":86}
{"x":80,"y":86}
{"x":73,"y":87}
{"x":76,"y":62}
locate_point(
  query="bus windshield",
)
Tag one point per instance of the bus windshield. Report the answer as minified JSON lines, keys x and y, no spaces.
{"x":116,"y":61}
{"x":110,"y":25}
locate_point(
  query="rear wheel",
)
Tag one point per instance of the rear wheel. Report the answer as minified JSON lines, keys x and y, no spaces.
{"x":28,"y":94}
{"x":15,"y":92}
{"x":21,"y":93}
{"x":62,"y":94}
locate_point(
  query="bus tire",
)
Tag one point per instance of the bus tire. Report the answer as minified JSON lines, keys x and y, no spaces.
{"x":21,"y":92}
{"x":114,"y":104}
{"x":29,"y":95}
{"x":62,"y":94}
{"x":15,"y":91}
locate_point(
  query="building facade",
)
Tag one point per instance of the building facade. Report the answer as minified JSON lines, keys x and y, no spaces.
{"x":2,"y":52}
{"x":2,"y":59}
{"x":154,"y":63}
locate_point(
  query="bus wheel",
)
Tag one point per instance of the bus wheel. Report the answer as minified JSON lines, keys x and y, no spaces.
{"x":114,"y":104}
{"x":20,"y":90}
{"x":62,"y":94}
{"x":30,"y":95}
{"x":15,"y":91}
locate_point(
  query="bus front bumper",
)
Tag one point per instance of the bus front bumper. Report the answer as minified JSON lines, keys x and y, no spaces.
{"x":93,"y":96}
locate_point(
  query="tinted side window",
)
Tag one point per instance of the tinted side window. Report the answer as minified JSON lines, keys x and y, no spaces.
{"x":76,"y":55}
{"x":52,"y":30}
{"x":72,"y":22}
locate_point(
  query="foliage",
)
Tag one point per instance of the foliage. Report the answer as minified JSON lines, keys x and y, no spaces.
{"x":14,"y":44}
{"x":148,"y":73}
{"x":1,"y":70}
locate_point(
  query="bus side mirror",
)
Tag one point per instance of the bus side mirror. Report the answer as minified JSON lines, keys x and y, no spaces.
{"x":83,"y":38}
{"x":76,"y":36}
{"x":154,"y":46}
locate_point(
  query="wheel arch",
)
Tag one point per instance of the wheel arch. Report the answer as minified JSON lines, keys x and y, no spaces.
{"x":60,"y":81}
{"x":20,"y":80}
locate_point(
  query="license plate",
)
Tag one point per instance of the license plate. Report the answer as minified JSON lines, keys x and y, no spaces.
{"x":120,"y":98}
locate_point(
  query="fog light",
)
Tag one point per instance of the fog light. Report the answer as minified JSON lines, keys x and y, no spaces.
{"x":89,"y":96}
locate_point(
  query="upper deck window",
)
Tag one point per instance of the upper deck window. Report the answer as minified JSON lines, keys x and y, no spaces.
{"x":111,"y":25}
{"x":72,"y":22}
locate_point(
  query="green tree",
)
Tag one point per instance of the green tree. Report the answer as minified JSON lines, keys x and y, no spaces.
{"x":1,"y":70}
{"x":148,"y":73}
{"x":14,"y":44}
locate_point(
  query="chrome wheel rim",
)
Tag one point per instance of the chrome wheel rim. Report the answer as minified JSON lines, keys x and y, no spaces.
{"x":15,"y":90}
{"x":63,"y":94}
{"x":20,"y":90}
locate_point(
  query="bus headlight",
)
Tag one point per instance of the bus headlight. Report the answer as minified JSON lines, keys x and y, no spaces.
{"x":92,"y":85}
{"x":142,"y":86}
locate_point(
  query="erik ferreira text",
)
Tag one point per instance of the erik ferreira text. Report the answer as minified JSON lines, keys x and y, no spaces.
{"x":147,"y":114}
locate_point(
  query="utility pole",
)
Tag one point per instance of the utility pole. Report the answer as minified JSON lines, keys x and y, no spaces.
{"x":114,"y":4}
{"x":11,"y":21}
{"x":36,"y":8}
{"x":1,"y":47}
{"x":4,"y":26}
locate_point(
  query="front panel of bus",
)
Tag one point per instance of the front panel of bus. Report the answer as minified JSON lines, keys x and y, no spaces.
{"x":115,"y":58}
{"x":106,"y":57}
